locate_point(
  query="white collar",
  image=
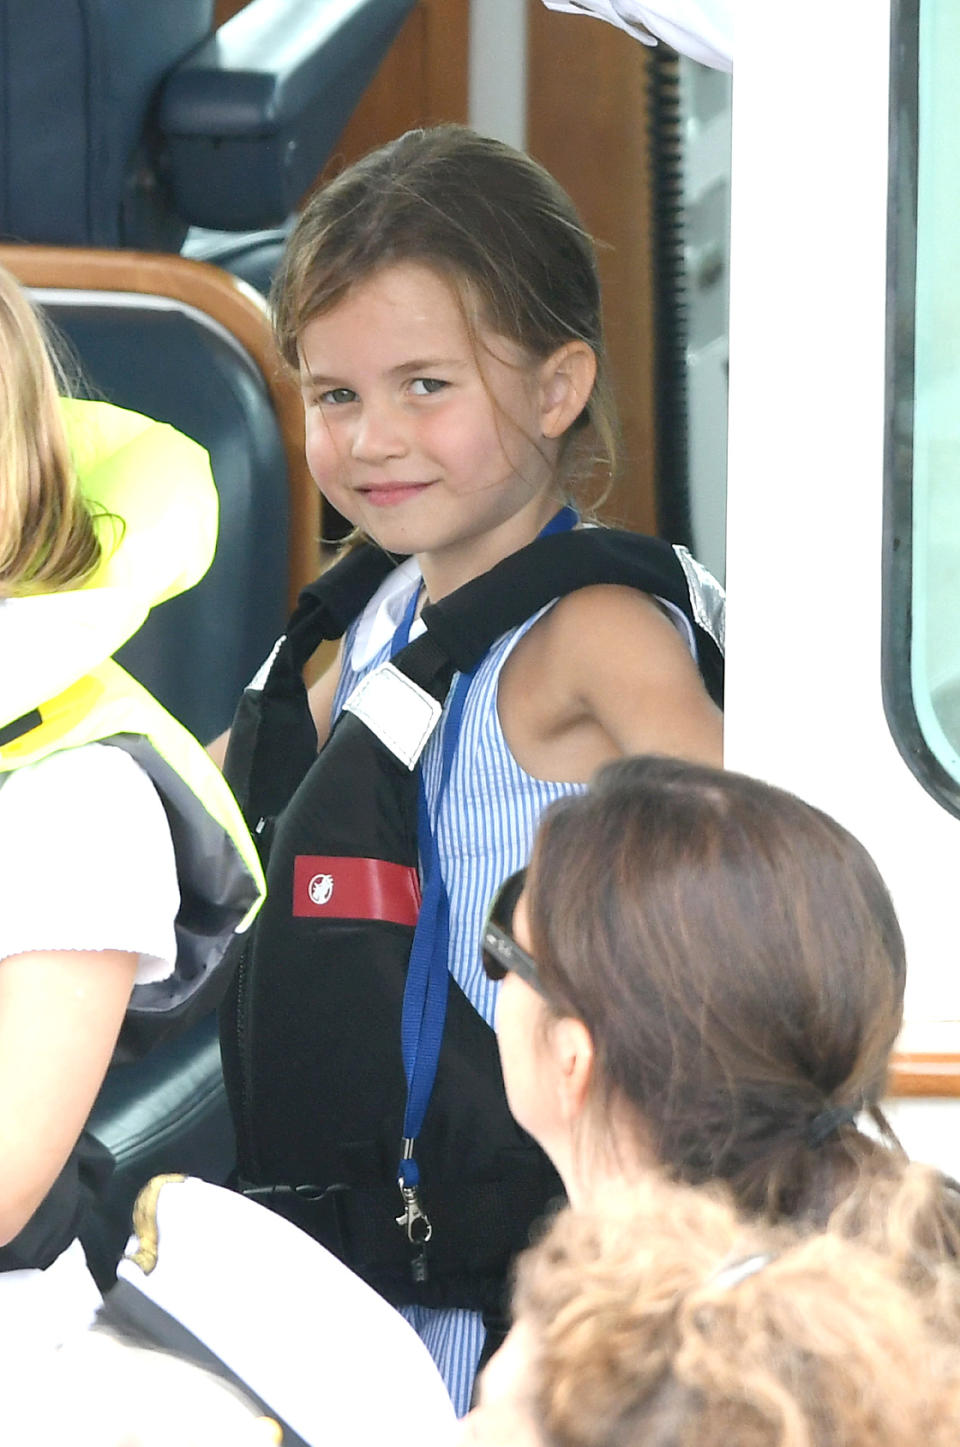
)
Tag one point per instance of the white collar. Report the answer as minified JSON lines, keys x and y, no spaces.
{"x":382,"y":616}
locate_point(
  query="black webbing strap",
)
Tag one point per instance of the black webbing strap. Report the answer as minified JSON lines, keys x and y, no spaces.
{"x":468,"y":621}
{"x":279,"y":740}
{"x":327,"y":606}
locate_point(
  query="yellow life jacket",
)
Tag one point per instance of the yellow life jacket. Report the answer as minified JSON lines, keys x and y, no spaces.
{"x":61,"y":689}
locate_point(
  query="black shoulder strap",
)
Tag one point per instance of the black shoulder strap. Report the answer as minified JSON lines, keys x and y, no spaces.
{"x":464,"y":625}
{"x":272,"y":738}
{"x":273,"y":741}
{"x":468,"y":621}
{"x":327,"y":606}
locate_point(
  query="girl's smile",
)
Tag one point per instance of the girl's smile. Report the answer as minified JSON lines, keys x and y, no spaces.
{"x":430,"y":442}
{"x":389,"y":494}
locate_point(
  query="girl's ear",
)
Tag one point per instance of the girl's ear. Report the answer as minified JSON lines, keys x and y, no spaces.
{"x":566,"y":381}
{"x":571,"y":1046}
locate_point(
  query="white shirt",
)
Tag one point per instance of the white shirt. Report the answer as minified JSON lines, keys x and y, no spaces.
{"x":87,"y":861}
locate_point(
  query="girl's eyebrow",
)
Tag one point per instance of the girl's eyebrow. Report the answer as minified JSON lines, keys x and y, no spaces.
{"x":428,"y":364}
{"x":416,"y":364}
{"x":316,"y":379}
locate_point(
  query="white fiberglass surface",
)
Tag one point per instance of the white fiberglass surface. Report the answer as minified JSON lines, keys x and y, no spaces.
{"x":808,"y":317}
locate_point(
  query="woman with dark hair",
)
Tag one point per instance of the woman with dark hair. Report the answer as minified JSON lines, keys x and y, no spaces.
{"x":706,"y":974}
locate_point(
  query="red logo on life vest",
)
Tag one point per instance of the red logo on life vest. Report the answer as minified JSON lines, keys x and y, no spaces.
{"x":338,"y":887}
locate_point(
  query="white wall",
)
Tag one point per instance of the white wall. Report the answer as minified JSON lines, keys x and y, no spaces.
{"x":806,"y":467}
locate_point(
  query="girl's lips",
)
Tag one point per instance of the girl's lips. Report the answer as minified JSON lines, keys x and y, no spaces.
{"x":388,"y":494}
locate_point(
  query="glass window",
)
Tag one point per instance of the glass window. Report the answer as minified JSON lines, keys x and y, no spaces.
{"x":922,"y":522}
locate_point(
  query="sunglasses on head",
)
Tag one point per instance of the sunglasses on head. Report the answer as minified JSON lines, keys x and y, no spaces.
{"x":499,"y":950}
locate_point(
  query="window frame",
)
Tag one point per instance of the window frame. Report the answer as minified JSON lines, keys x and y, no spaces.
{"x":896,"y":642}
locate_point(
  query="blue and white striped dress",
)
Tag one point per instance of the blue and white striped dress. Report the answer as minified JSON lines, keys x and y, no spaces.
{"x":485,"y":829}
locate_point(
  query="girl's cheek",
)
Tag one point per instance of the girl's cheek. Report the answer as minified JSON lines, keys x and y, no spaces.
{"x":323,"y":458}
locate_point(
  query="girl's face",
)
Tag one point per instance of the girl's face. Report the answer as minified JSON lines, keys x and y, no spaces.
{"x":428,"y":443}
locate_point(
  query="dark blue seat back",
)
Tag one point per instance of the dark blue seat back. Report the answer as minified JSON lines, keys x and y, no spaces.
{"x":124,"y":122}
{"x":78,"y":151}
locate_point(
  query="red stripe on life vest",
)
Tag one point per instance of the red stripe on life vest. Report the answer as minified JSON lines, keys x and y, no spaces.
{"x":338,"y":887}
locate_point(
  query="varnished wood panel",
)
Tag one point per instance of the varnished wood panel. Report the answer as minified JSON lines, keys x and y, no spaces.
{"x":423,"y":79}
{"x":927,"y":1075}
{"x":225,"y":9}
{"x":586,"y":122}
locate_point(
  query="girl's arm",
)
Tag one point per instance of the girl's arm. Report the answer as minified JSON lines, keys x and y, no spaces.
{"x":605,"y":673}
{"x":60,"y":1015}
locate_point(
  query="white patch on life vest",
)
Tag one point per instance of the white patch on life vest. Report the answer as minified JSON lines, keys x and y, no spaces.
{"x":397,"y":710}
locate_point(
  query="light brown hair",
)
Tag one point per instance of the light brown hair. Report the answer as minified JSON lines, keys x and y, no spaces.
{"x":490,"y":221}
{"x":738,"y":963}
{"x":657,"y":1318}
{"x":48,"y":540}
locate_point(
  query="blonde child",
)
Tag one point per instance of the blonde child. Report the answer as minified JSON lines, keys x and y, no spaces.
{"x":106,"y":804}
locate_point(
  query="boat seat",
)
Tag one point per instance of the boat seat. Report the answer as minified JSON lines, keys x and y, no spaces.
{"x":126,"y":124}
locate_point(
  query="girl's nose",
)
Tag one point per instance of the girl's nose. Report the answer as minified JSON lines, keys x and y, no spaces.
{"x":380,"y":433}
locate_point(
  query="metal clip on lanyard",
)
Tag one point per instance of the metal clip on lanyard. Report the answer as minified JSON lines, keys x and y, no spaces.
{"x":425,"y":992}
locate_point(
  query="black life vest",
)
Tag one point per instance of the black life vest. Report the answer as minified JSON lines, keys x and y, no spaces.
{"x":311,"y":1030}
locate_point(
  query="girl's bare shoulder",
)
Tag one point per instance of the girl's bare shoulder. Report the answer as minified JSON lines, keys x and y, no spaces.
{"x":607,"y":664}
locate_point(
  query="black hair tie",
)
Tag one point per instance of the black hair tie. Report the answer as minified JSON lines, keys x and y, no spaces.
{"x":827,"y":1122}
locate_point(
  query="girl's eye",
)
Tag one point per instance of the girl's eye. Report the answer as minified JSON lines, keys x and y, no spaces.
{"x":427,"y":386}
{"x":337,"y":396}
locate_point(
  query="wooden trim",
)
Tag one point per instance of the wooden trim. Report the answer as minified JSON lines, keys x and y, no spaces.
{"x":446,"y":60}
{"x":587,"y":102}
{"x":924,"y":1074}
{"x":422,"y":80}
{"x":226,"y":300}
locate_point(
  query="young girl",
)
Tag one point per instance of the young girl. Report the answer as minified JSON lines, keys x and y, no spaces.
{"x":105,"y":802}
{"x":439,"y":303}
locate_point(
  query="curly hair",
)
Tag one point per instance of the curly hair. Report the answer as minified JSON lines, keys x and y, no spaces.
{"x":659,"y":1317}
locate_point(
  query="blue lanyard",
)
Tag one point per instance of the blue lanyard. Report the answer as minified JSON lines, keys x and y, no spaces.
{"x":425,"y":992}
